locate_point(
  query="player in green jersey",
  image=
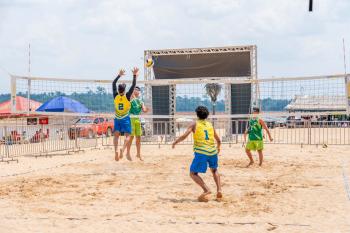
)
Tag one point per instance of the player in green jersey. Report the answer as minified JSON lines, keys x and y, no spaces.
{"x":137,"y":107}
{"x":255,"y":137}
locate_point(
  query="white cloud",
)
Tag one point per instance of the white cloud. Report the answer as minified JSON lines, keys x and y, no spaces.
{"x":95,"y":38}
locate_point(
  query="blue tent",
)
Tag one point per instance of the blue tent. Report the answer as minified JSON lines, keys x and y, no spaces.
{"x":63,"y":104}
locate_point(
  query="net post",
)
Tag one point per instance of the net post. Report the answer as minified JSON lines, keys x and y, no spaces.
{"x":28,"y":95}
{"x":347,"y":93}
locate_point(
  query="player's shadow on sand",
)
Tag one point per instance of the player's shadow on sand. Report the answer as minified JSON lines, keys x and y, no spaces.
{"x":174,"y":200}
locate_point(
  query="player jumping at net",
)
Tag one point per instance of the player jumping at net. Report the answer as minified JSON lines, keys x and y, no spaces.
{"x":255,"y":138}
{"x":137,"y":106}
{"x":205,"y":152}
{"x":122,"y":107}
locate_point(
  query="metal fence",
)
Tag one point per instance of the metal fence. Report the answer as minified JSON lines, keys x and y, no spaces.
{"x":289,"y":132}
{"x":65,"y":135}
{"x":17,"y":138}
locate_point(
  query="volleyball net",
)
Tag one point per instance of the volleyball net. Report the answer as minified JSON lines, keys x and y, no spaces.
{"x":232,"y":98}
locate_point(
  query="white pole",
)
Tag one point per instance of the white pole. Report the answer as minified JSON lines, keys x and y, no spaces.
{"x":347,"y":82}
{"x":29,"y":61}
{"x":344,"y":56}
{"x":29,"y":81}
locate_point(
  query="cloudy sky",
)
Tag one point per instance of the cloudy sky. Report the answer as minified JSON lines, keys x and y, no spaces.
{"x":92,"y":39}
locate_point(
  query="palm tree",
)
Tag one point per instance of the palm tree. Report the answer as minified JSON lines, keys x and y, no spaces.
{"x":213,"y":90}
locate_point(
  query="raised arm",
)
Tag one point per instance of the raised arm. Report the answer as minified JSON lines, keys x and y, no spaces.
{"x":114,"y":83}
{"x":114,"y":86}
{"x":135,"y":72}
{"x":189,"y":130}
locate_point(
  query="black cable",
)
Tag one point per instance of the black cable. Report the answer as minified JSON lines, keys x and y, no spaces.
{"x":310,"y":5}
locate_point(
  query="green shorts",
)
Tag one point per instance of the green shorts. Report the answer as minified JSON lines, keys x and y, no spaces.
{"x":136,"y":126}
{"x":255,"y":145}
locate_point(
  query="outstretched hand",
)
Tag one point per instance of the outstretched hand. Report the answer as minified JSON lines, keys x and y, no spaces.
{"x":173,"y":145}
{"x":135,"y":71}
{"x":121,"y":72}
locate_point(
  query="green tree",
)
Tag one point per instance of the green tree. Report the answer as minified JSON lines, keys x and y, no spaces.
{"x":213,"y":90}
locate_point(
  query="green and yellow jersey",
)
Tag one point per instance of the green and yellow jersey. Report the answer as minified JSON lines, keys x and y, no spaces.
{"x":255,"y":130}
{"x":203,"y":138}
{"x":136,"y":107}
{"x":122,"y":106}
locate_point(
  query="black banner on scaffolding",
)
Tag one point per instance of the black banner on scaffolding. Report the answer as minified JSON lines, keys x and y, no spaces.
{"x":235,"y":64}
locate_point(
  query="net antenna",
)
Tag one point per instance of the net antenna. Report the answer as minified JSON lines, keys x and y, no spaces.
{"x":29,"y":81}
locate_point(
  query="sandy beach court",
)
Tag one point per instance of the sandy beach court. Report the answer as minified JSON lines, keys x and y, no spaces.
{"x":296,"y":190}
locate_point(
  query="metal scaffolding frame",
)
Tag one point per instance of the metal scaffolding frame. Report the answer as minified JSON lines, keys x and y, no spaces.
{"x":254,"y":76}
{"x":172,"y":108}
{"x":252,"y":49}
{"x":227,"y":49}
{"x":228,"y":129}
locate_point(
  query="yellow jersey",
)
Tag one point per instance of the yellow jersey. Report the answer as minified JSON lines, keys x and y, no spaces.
{"x":203,"y":138}
{"x":122,"y":106}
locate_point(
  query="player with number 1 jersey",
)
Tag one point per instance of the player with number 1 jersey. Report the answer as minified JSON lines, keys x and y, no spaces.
{"x":205,"y":151}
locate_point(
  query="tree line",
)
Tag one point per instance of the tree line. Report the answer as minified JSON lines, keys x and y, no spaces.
{"x":102,"y":101}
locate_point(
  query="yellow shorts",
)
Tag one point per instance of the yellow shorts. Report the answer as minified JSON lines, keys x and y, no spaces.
{"x":136,"y":127}
{"x":255,"y":145}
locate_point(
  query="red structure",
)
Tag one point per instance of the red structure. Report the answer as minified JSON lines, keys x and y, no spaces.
{"x":21,"y":105}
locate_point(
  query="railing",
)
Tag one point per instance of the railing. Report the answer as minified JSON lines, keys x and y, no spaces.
{"x":20,"y":139}
{"x":289,"y":132}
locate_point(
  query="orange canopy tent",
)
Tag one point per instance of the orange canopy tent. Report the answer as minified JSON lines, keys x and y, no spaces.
{"x":21,"y":105}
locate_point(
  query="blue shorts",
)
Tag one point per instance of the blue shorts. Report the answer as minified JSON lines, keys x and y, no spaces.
{"x":122,"y":125}
{"x":200,"y":163}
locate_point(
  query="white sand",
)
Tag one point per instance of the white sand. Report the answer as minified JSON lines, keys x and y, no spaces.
{"x":296,"y":190}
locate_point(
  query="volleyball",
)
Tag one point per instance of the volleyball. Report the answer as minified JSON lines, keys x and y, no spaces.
{"x":149,"y":63}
